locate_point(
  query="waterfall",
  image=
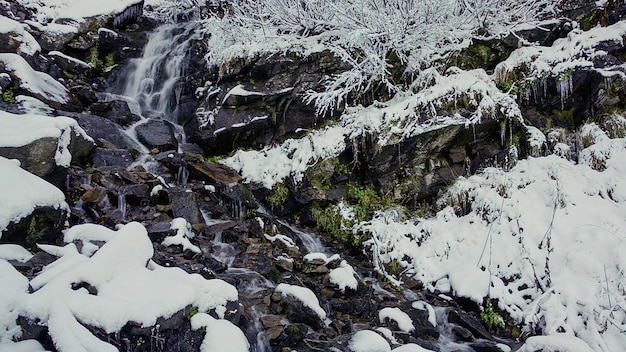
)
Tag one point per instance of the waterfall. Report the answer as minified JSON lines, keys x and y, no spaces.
{"x":155,"y":80}
{"x":121,"y":204}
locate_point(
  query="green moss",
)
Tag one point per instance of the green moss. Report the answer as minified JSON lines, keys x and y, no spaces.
{"x":278,"y":196}
{"x":364,"y":200}
{"x":109,"y":60}
{"x":292,"y":329}
{"x":94,"y":59}
{"x":491,"y":317}
{"x":8,"y":96}
{"x":192,"y":311}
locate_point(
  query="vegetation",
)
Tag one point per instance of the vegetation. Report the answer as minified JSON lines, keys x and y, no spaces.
{"x":8,"y":96}
{"x":491,"y":317}
{"x":278,"y":196}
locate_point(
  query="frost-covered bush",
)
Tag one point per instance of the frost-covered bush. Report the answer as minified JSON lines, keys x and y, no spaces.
{"x":369,"y":35}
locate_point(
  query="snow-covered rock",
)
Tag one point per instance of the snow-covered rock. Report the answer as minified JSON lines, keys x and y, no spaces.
{"x":34,"y":83}
{"x":22,"y":193}
{"x":42,"y":143}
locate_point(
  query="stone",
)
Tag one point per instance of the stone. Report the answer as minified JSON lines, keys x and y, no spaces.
{"x":102,"y":129}
{"x":43,"y":225}
{"x":270,"y":321}
{"x":157,"y":134}
{"x":84,"y":94}
{"x":273,"y":333}
{"x":94,"y":194}
{"x":111,"y":157}
{"x":469,"y":322}
{"x":285,"y":263}
{"x":116,"y":111}
{"x":215,"y":172}
{"x":71,"y":64}
{"x":184,"y":205}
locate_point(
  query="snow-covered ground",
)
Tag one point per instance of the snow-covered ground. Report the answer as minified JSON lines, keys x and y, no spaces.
{"x":545,"y":239}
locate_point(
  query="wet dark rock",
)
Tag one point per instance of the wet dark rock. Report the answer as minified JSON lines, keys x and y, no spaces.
{"x":185,"y":205}
{"x":117,"y":111}
{"x":419,"y":167}
{"x":157,"y":134}
{"x":213,"y":172}
{"x":84,"y":94}
{"x":111,"y":157}
{"x":212,"y":229}
{"x":469,"y":322}
{"x":102,"y":129}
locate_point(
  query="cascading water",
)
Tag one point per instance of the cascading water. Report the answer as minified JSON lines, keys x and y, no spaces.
{"x":156,"y":78}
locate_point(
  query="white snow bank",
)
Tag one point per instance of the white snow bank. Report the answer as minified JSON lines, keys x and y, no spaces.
{"x":14,"y":252}
{"x":22,"y":192}
{"x":21,"y":130}
{"x":22,"y":346}
{"x":304,"y":295}
{"x":14,"y":289}
{"x":403,"y":320}
{"x":183,"y":234}
{"x":76,"y":9}
{"x":343,"y":276}
{"x":545,"y":239}
{"x":411,"y":347}
{"x":127,"y":286}
{"x":555,"y":343}
{"x":311,"y":257}
{"x":38,"y":83}
{"x":368,"y":341}
{"x":221,"y":335}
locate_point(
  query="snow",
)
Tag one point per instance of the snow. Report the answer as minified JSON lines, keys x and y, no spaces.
{"x":410,"y":347}
{"x":30,"y":105}
{"x":406,"y":115}
{"x":130,"y":287}
{"x":14,"y":289}
{"x":14,"y":252}
{"x":22,"y":346}
{"x":36,"y":82}
{"x":21,"y":130}
{"x":555,"y":343}
{"x":577,"y":50}
{"x":304,"y":295}
{"x":77,"y":9}
{"x":22,"y":192}
{"x":405,"y":324}
{"x":368,"y":341}
{"x":527,"y":240}
{"x":183,"y":234}
{"x":343,"y":276}
{"x":287,"y":241}
{"x":221,"y":335}
{"x":311,"y":257}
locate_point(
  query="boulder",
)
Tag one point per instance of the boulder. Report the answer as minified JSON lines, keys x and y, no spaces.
{"x":15,"y":39}
{"x":111,"y":157}
{"x":33,"y":83}
{"x":43,"y":144}
{"x":52,"y":36}
{"x":102,"y":129}
{"x":185,"y":205}
{"x":116,"y":111}
{"x":157,"y":134}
